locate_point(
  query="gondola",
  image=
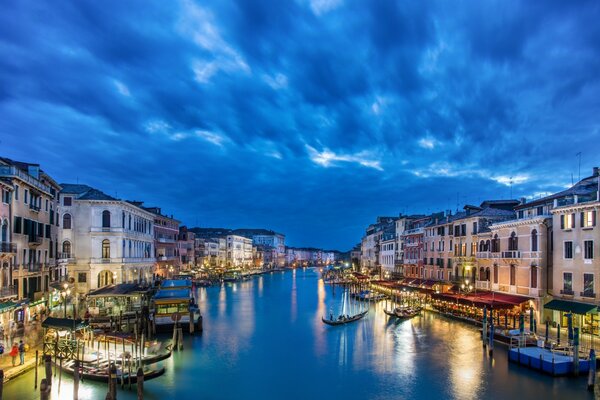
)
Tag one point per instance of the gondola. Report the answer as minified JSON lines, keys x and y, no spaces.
{"x":402,"y":314}
{"x":93,"y":373}
{"x":344,"y":320}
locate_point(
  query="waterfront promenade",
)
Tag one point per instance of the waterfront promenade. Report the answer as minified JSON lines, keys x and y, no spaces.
{"x":264,"y":338}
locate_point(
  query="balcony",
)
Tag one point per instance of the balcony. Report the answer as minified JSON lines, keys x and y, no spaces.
{"x":165,"y":240}
{"x":531,"y":254}
{"x":112,"y":229}
{"x":9,"y":171}
{"x":8,"y":291}
{"x":483,"y":285}
{"x":65,"y":256}
{"x":35,"y":240}
{"x":591,"y":295}
{"x":483,"y":254}
{"x":567,"y":292}
{"x":7,"y":247}
{"x":33,"y":267}
{"x":512,"y":254}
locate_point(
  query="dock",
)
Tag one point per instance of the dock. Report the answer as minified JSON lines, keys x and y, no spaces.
{"x":555,"y":363}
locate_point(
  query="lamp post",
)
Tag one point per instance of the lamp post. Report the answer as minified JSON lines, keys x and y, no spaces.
{"x":65,"y":294}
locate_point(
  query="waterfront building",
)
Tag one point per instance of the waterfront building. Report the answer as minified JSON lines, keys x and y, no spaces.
{"x":437,"y":247}
{"x":166,"y":232}
{"x":104,"y":240}
{"x":239,"y":251}
{"x":8,"y":249}
{"x":266,"y":237}
{"x":413,"y":245}
{"x":211,"y":252}
{"x":387,"y":253}
{"x":186,"y":248}
{"x":371,"y":243}
{"x":33,"y":211}
{"x":355,"y":257}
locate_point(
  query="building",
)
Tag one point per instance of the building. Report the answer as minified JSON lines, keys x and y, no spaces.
{"x":33,"y":210}
{"x":186,"y":248}
{"x":104,"y":240}
{"x":239,"y":252}
{"x":265,"y":237}
{"x":370,"y":243}
{"x":387,"y":254}
{"x":8,"y":249}
{"x":166,"y":232}
{"x":413,"y":246}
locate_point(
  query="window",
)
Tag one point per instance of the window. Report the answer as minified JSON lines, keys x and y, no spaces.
{"x":81,"y":277}
{"x":588,"y":285}
{"x":567,"y":221}
{"x":513,"y":274}
{"x":67,"y":221}
{"x":534,"y":240}
{"x":588,"y":219}
{"x":540,"y":210}
{"x":567,"y":282}
{"x":17,"y":228}
{"x":495,"y":244}
{"x":67,"y":201}
{"x":568,"y":251}
{"x":25,"y":196}
{"x":495,"y":273}
{"x":106,"y":219}
{"x":16,"y":192}
{"x":46,"y":205}
{"x":474,"y":228}
{"x":48,"y":231}
{"x":513,"y":242}
{"x":588,"y":249}
{"x":521,"y":214}
{"x":533,"y":276}
{"x":105,"y":248}
{"x":66,"y":249}
{"x":463,"y":230}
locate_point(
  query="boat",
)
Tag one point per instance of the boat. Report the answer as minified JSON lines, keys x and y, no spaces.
{"x":344,"y":319}
{"x":506,"y":335}
{"x":174,"y":303}
{"x":403,"y":312}
{"x":100,"y":372}
{"x":367,"y":295}
{"x":232,"y":276}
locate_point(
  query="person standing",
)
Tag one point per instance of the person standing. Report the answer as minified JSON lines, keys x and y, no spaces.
{"x":13,"y":353}
{"x":22,"y":352}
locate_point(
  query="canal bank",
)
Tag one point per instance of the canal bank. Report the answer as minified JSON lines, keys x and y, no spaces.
{"x":264,"y":339}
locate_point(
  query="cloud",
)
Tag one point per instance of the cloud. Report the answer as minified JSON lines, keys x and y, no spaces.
{"x":327,"y":158}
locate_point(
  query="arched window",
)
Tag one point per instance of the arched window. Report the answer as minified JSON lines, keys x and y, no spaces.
{"x":123,"y":219}
{"x":4,"y":231}
{"x":487,"y":245}
{"x":534,"y":277}
{"x":66,"y":248}
{"x":487,"y":274}
{"x":67,"y":221}
{"x":496,"y":273}
{"x":481,"y":274}
{"x":482,"y":246}
{"x":106,"y":248}
{"x":513,"y":273}
{"x":534,"y":240}
{"x":513,"y":242}
{"x":495,"y":244}
{"x":106,"y":219}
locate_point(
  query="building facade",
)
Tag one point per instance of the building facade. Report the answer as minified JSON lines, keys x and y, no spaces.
{"x":239,"y":251}
{"x":104,"y":240}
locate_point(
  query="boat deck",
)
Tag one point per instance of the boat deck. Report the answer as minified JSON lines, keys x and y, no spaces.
{"x":545,"y":360}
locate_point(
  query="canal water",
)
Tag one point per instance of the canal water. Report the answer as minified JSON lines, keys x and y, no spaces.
{"x":264,"y":339}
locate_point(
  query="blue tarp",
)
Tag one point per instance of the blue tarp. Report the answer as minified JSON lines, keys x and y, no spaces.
{"x":165,"y":294}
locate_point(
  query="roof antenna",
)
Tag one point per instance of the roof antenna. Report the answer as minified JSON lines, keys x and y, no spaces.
{"x":572,"y":179}
{"x":511,"y":182}
{"x":579,"y":155}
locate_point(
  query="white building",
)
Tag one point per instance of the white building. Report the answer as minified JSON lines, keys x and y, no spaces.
{"x":387,"y":253}
{"x":266,"y":237}
{"x":104,"y":240}
{"x":239,"y":251}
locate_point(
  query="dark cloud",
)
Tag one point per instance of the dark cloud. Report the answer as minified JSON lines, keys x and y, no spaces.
{"x":306,"y":118}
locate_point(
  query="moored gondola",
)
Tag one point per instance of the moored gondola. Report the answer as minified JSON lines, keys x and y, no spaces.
{"x":343,"y":319}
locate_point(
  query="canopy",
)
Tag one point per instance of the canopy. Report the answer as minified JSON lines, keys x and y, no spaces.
{"x":7,"y":306}
{"x":64,"y":324}
{"x":122,"y":289}
{"x":175,"y":283}
{"x":170,"y":295}
{"x":571,"y":306}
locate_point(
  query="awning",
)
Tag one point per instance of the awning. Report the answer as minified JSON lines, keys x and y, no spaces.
{"x":64,"y":324}
{"x":572,"y":306}
{"x":7,"y":306}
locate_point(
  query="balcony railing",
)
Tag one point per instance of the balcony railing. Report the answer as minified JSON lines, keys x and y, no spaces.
{"x":14,"y":172}
{"x":512,"y":254}
{"x":7,"y":247}
{"x":8,"y":291}
{"x":35,"y":208}
{"x":34,"y":267}
{"x":484,"y":285}
{"x":35,"y":239}
{"x":106,"y":229}
{"x":483,"y":254}
{"x":567,"y":292}
{"x":587,"y":294}
{"x":66,"y":256}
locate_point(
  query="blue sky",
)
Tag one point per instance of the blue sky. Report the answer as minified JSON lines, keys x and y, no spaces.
{"x":310,"y":117}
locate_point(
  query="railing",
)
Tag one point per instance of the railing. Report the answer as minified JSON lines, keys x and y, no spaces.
{"x":484,"y":285}
{"x":35,"y":208}
{"x":34,"y":267}
{"x":531,"y":254}
{"x":165,"y":240}
{"x":7,"y":247}
{"x":66,"y":256}
{"x":11,"y":171}
{"x":36,"y":239}
{"x":483,"y":254}
{"x":8,"y":291}
{"x":587,"y":294}
{"x":106,"y":229}
{"x":511,"y":254}
{"x":567,"y":292}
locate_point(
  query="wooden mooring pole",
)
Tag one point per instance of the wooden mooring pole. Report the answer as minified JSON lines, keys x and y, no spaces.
{"x":48,"y":368}
{"x":140,"y":384}
{"x":76,"y":380}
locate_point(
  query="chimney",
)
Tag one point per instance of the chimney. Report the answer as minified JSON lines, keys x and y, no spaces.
{"x":596,"y":171}
{"x":523,"y":200}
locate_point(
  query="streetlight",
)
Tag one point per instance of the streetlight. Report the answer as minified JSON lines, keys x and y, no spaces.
{"x":65,"y":294}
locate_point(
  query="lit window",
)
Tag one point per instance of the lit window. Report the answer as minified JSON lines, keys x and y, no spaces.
{"x":588,"y":219}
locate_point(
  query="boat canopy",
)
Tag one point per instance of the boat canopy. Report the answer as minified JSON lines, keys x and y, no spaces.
{"x":123,"y":289}
{"x":64,"y":324}
{"x":176,"y":283}
{"x":571,"y":306}
{"x":172,"y":296}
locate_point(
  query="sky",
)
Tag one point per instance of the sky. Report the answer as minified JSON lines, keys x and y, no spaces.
{"x":309,"y":117}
